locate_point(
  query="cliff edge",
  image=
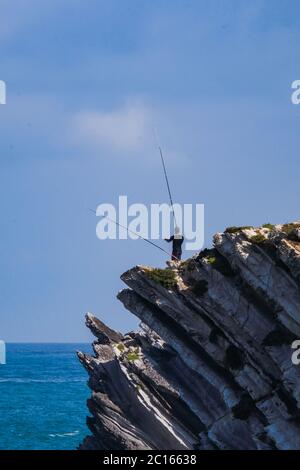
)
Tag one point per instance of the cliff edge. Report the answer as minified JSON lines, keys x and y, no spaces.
{"x":210,"y":367}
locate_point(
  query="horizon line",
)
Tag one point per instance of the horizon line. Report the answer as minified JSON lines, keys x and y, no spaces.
{"x":46,"y":342}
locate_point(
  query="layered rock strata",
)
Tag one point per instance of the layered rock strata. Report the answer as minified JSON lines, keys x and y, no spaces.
{"x":210,"y":367}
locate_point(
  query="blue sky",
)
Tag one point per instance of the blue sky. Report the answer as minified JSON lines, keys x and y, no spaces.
{"x":86,"y":82}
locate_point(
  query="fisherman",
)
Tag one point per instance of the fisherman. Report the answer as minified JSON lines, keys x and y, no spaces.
{"x":177,"y":240}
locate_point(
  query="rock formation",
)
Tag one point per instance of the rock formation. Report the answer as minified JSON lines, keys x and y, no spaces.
{"x":211,"y":365}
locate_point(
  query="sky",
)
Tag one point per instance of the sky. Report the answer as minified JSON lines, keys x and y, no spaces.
{"x":87,"y":80}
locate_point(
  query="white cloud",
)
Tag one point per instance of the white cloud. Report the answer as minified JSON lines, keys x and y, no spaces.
{"x":124,"y":130}
{"x":130,"y":132}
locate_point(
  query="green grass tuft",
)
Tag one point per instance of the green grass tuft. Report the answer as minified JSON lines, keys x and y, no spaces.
{"x":237,"y":229}
{"x":165,"y":277}
{"x":258,"y":239}
{"x":133,"y":355}
{"x":217,"y":261}
{"x":288,"y":228}
{"x":211,"y":259}
{"x":269,"y":226}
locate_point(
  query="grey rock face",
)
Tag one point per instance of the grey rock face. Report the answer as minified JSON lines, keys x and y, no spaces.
{"x":210,"y":367}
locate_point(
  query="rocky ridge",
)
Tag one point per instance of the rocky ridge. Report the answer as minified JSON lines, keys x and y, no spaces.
{"x":210,"y":367}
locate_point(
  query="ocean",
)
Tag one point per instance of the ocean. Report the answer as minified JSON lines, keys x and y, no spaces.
{"x":43,"y":393}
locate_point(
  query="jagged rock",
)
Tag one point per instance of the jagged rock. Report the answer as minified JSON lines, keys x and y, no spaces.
{"x":211,"y":366}
{"x":103,"y":333}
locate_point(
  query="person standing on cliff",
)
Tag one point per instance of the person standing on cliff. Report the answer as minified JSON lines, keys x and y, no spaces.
{"x":177,"y":240}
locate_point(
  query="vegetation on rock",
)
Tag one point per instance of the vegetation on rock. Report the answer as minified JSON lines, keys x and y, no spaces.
{"x":289,"y":228}
{"x":133,"y":355}
{"x":217,"y":261}
{"x":237,"y":229}
{"x":258,"y":239}
{"x":165,"y":277}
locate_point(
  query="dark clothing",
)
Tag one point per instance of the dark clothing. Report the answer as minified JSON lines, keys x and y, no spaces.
{"x":176,"y":247}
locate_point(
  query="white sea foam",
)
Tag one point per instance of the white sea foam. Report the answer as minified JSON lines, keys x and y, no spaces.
{"x":26,"y":381}
{"x":66,"y":434}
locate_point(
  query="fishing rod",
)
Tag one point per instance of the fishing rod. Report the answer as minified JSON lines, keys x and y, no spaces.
{"x":131,"y":231}
{"x":166,"y":176}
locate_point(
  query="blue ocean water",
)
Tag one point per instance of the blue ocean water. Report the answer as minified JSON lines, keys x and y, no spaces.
{"x":43,"y":395}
